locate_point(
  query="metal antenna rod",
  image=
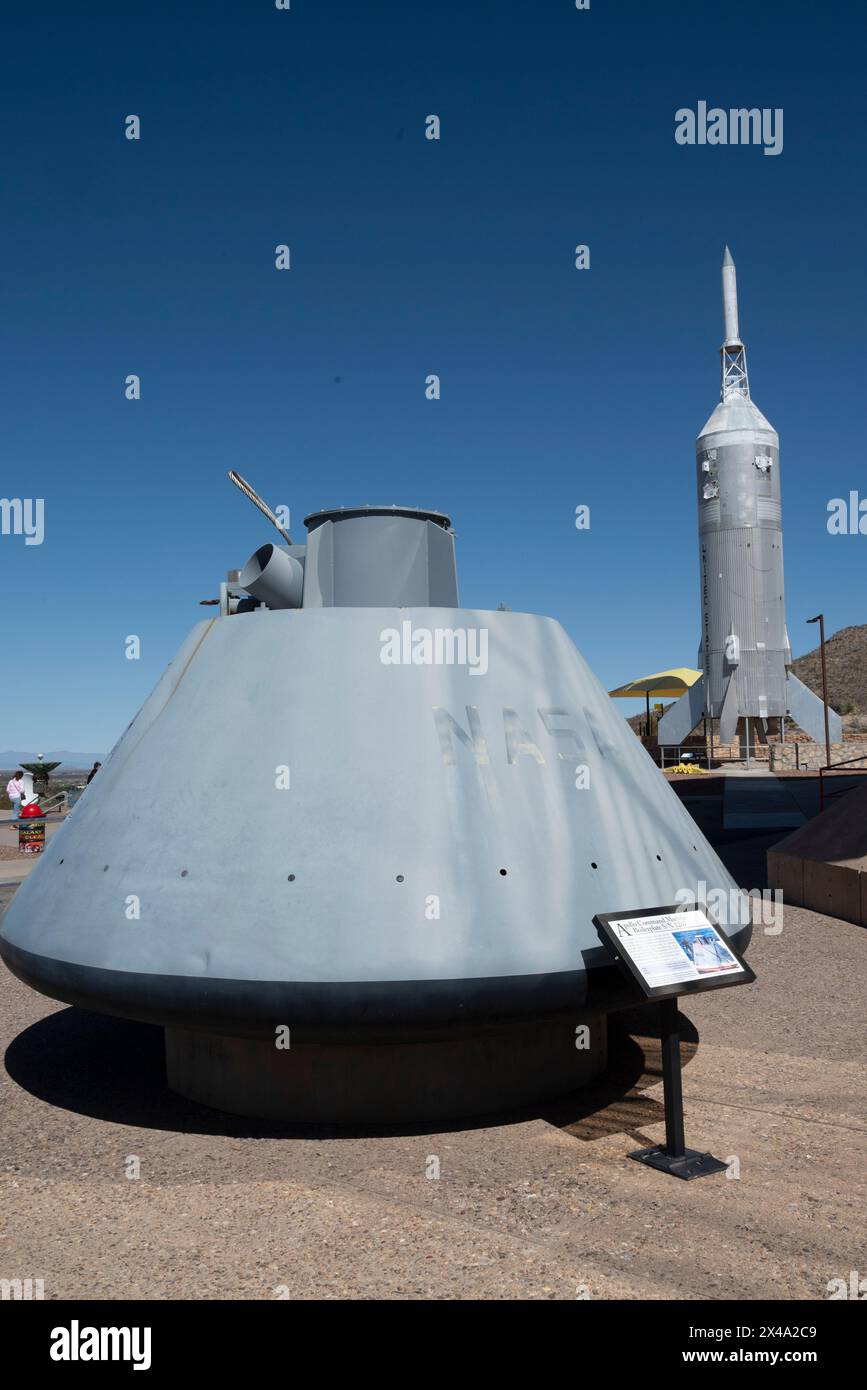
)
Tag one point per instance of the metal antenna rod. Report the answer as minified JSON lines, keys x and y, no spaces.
{"x":735,"y":381}
{"x":257,"y":502}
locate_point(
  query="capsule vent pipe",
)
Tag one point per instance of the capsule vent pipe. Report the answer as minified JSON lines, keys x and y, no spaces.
{"x":273,"y":577}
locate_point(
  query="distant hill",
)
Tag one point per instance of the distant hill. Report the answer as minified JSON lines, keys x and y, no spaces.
{"x":846,"y":660}
{"x":16,"y":757}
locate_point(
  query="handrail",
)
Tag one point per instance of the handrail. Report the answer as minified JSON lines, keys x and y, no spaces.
{"x":699,"y":754}
{"x":829,"y":767}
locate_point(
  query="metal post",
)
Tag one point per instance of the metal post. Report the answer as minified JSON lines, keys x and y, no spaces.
{"x":825,"y":688}
{"x":820,"y":619}
{"x":670,"y":1036}
{"x":673,"y":1156}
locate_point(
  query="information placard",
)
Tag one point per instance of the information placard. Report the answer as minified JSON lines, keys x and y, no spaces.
{"x":31,"y":836}
{"x":673,"y":950}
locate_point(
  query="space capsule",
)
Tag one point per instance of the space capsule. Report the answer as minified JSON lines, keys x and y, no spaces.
{"x":365,"y":832}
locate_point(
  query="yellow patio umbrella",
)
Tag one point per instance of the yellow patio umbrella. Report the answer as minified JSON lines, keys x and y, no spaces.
{"x":668,"y":685}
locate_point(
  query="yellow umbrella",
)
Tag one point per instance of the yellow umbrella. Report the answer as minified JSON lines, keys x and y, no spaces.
{"x":668,"y":685}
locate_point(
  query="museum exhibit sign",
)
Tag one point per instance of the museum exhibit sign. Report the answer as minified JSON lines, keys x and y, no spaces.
{"x":669,"y":952}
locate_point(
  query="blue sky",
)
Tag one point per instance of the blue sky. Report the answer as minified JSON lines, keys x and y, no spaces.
{"x":411,"y":257}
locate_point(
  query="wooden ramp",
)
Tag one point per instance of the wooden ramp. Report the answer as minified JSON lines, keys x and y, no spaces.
{"x":823,"y":864}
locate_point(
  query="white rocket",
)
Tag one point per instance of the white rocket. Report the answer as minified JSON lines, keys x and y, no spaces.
{"x":744,"y":653}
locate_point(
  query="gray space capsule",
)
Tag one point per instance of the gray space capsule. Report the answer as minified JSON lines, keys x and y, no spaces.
{"x":744,"y":652}
{"x":371,"y":825}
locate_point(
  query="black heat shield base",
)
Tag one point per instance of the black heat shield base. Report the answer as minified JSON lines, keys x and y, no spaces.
{"x":689,"y":1164}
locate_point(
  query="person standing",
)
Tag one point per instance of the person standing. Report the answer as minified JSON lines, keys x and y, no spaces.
{"x":93,"y":771}
{"x":15,"y":791}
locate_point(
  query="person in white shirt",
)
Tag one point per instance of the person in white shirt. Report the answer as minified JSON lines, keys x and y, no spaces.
{"x":15,"y":791}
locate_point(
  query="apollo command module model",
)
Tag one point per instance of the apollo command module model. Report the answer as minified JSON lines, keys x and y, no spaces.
{"x":349,"y":851}
{"x":744,"y":652}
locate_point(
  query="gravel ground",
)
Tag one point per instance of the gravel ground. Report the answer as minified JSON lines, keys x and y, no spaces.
{"x":533,"y":1206}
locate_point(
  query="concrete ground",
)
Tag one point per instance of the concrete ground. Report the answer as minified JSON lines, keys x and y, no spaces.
{"x":538,"y":1205}
{"x":535,"y":1206}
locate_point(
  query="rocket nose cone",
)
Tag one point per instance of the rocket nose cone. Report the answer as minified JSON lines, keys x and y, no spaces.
{"x":727,"y":257}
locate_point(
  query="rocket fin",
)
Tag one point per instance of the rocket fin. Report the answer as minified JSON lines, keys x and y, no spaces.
{"x":807,"y":710}
{"x":678,"y":722}
{"x":728,"y":720}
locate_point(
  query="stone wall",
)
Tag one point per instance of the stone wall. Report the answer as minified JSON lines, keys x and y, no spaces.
{"x":812,"y":755}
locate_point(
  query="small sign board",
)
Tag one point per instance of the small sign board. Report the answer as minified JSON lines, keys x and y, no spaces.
{"x":671,"y":951}
{"x":31,"y":835}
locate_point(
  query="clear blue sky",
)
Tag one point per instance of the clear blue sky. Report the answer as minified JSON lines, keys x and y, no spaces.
{"x":409,"y":257}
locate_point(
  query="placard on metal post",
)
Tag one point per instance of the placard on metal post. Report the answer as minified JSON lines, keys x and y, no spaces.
{"x":671,"y":951}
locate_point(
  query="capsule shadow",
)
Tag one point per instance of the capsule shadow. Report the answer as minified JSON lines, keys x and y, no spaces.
{"x":114,"y":1070}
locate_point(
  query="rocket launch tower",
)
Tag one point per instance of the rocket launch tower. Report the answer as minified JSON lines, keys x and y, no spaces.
{"x":744,"y":652}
